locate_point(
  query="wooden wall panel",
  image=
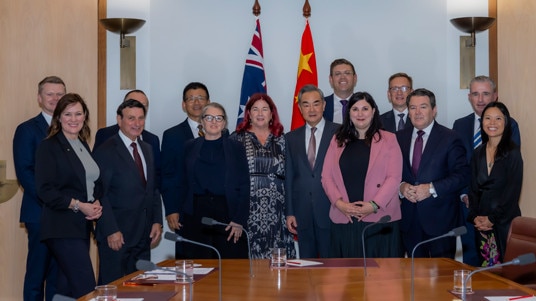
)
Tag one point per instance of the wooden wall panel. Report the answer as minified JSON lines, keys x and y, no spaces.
{"x":516,"y":43}
{"x":39,"y":38}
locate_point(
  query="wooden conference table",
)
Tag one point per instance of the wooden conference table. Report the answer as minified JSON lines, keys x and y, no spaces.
{"x":387,"y":279}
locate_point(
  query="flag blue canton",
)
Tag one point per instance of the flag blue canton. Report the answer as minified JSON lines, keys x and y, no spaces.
{"x":254,"y":80}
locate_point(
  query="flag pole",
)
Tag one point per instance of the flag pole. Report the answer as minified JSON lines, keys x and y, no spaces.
{"x":256,"y":8}
{"x":306,"y":9}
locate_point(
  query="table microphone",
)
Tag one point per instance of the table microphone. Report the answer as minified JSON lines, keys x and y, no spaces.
{"x":58,"y":297}
{"x":177,"y":238}
{"x":146,"y":265}
{"x":382,"y":220}
{"x":454,"y":232}
{"x":211,"y":222}
{"x":520,"y":260}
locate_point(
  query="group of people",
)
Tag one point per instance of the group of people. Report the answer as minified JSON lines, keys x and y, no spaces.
{"x":401,"y":175}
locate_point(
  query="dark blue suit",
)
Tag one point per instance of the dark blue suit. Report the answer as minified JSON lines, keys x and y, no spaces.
{"x":389,"y":121}
{"x":40,"y":266}
{"x":129,"y":206}
{"x":465,"y":128}
{"x":106,"y":133}
{"x":443,"y":163}
{"x":328,"y":111}
{"x":305,"y":198}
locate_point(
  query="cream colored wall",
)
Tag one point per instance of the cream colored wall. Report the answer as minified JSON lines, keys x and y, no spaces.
{"x":39,"y":38}
{"x":517,"y":79}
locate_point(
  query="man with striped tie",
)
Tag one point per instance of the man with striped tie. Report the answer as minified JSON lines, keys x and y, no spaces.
{"x":482,"y":91}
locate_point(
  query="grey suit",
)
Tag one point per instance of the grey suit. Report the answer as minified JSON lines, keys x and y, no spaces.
{"x":305,"y":198}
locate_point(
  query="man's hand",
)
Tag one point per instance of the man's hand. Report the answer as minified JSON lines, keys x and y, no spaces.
{"x":156,"y":233}
{"x":236,"y":231}
{"x":116,"y":241}
{"x":292,"y":224}
{"x":173,"y":221}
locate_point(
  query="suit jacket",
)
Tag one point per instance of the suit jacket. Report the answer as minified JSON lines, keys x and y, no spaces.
{"x":236,"y":179}
{"x":128,"y":205}
{"x":443,"y":163}
{"x":106,"y":133}
{"x":305,"y":198}
{"x":27,"y":138}
{"x":328,"y":111}
{"x":389,"y":121}
{"x":465,"y":127}
{"x":381,"y":182}
{"x":59,"y":177}
{"x":172,"y":155}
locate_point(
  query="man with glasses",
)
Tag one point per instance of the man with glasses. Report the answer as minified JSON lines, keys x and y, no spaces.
{"x":342,"y":78}
{"x":194,"y":98}
{"x":400,"y":86}
{"x":482,"y":91}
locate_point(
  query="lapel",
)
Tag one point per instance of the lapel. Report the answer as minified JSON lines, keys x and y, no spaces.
{"x":186,"y":130}
{"x":147,"y":150}
{"x":41,"y":124}
{"x":73,"y":159}
{"x":432,"y":144}
{"x":124,"y":154}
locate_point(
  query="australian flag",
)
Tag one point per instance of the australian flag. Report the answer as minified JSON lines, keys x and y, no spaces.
{"x":254,"y":80}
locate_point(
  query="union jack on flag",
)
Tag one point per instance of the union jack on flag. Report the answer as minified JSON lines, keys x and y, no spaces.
{"x":254,"y":80}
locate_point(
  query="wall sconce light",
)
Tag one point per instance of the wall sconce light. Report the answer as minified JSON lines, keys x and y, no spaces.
{"x":8,"y":188}
{"x":127,"y":44}
{"x":470,"y":25}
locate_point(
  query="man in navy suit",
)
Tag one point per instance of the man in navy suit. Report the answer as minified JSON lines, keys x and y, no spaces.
{"x":482,"y":91}
{"x":41,"y":269}
{"x":342,"y":78}
{"x":194,"y":97}
{"x":431,"y":179}
{"x":106,"y":133}
{"x":400,"y":85}
{"x":132,"y":210}
{"x":307,"y":206}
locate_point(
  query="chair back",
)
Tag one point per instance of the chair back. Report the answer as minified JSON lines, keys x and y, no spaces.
{"x":521,"y":240}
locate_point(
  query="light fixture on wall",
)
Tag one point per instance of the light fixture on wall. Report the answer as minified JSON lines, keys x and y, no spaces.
{"x":127,"y":44}
{"x":470,"y":25}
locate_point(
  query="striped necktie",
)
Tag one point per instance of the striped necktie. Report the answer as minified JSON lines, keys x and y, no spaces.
{"x":477,"y":138}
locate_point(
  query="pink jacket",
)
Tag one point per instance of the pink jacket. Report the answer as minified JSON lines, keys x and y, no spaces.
{"x":383,"y":178}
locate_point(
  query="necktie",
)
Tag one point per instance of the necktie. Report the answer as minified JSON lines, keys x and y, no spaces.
{"x":137,"y":159}
{"x":417,"y":152}
{"x":401,"y":122}
{"x":344,"y":103}
{"x":200,"y":131}
{"x":477,"y":138}
{"x":311,"y":150}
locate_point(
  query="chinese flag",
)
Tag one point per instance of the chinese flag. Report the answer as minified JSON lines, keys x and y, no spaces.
{"x":306,"y":73}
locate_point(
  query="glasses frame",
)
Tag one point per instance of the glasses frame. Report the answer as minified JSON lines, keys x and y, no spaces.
{"x":401,"y":89}
{"x":211,"y":118}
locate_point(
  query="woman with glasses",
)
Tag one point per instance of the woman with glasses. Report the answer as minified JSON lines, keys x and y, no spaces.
{"x":262,"y":135}
{"x":216,"y":187}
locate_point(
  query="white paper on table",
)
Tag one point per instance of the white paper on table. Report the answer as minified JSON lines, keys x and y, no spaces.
{"x":508,"y":298}
{"x":202,"y":271}
{"x":302,"y":263}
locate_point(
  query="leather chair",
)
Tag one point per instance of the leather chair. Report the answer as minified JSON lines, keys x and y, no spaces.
{"x":521,"y":240}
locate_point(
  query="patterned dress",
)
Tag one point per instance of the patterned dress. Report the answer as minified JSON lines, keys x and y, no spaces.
{"x":266,"y":224}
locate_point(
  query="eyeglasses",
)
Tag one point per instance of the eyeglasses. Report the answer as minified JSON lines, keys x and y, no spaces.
{"x":402,"y":89}
{"x":210,"y":118}
{"x":194,"y":98}
{"x":347,"y":73}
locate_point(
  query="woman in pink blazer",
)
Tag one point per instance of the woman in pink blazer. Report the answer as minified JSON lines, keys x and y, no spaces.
{"x":361,"y":174}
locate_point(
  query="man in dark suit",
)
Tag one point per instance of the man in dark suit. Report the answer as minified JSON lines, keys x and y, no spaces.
{"x":194,"y":97}
{"x":482,"y":91}
{"x":105,"y":133}
{"x":41,"y":269}
{"x":307,"y":206}
{"x":400,"y":85}
{"x":434,"y":172}
{"x":342,"y":78}
{"x":132,"y":210}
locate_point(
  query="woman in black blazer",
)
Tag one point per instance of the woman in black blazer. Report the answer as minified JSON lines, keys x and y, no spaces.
{"x":216,"y":185}
{"x":497,"y":174}
{"x":65,"y":175}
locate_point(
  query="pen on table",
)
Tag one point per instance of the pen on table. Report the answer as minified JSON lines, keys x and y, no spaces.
{"x":294,"y":262}
{"x":137,"y":283}
{"x":521,"y":297}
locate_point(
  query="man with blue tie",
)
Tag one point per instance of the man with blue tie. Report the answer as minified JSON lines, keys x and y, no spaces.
{"x":482,"y":91}
{"x":342,"y":78}
{"x":41,"y":269}
{"x":399,"y":86}
{"x":434,"y":171}
{"x":307,"y":206}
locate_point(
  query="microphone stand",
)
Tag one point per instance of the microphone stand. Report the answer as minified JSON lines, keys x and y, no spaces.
{"x":175,"y":237}
{"x":383,"y":219}
{"x":210,"y":222}
{"x":146,"y":265}
{"x":454,"y":232}
{"x":520,"y":260}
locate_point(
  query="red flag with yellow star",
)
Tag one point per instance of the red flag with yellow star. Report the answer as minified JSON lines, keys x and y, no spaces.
{"x":306,"y":73}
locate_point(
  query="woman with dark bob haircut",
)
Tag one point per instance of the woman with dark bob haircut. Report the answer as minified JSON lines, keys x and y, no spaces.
{"x":361,"y":174}
{"x":496,"y":177}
